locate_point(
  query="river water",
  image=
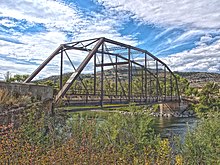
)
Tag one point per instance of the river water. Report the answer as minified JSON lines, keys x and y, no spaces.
{"x":168,"y":127}
{"x":172,"y":126}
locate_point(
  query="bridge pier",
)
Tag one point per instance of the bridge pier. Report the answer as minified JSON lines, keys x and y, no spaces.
{"x":175,"y":109}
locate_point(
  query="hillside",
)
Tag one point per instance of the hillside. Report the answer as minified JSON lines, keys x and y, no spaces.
{"x":196,"y":79}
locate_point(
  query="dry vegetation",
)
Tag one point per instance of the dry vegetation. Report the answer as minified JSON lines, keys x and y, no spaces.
{"x":8,"y":99}
{"x":43,"y":138}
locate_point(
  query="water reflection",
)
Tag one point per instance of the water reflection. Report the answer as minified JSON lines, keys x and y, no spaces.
{"x":168,"y":127}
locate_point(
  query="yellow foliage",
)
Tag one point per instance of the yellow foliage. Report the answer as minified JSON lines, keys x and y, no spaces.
{"x":163,"y":153}
{"x":179,"y":160}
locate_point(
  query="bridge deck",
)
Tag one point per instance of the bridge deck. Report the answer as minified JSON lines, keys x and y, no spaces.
{"x":84,"y":99}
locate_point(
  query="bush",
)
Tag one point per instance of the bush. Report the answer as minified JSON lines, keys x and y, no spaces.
{"x":202,"y":145}
{"x":119,"y":139}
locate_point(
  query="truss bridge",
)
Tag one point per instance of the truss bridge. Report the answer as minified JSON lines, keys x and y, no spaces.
{"x":104,"y":71}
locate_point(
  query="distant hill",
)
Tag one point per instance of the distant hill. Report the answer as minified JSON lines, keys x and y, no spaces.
{"x":196,"y":79}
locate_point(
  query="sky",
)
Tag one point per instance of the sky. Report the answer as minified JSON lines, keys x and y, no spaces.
{"x":184,"y":34}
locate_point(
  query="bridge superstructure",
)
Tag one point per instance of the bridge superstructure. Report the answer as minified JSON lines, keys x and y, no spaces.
{"x":111,"y":72}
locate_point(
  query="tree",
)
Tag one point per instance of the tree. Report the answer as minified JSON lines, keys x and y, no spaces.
{"x":209,"y":98}
{"x":183,"y":85}
{"x":209,"y":93}
{"x":16,"y":78}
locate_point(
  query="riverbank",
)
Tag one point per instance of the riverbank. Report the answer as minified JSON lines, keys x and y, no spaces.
{"x":185,"y":114}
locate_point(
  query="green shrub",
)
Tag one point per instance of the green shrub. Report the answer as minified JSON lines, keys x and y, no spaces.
{"x":202,"y":145}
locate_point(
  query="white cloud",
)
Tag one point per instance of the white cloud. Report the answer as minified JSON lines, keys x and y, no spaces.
{"x":51,"y":13}
{"x":13,"y":68}
{"x":188,"y":35}
{"x":163,"y":33}
{"x":206,"y":38}
{"x":37,"y":46}
{"x":58,"y":19}
{"x":7,"y":23}
{"x":196,"y":14}
{"x":196,"y":18}
{"x":202,"y":58}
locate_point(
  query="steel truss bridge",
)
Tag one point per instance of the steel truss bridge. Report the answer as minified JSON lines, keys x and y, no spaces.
{"x":110,"y":73}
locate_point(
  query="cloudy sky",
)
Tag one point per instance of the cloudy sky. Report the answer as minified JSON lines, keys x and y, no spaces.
{"x":185,"y":34}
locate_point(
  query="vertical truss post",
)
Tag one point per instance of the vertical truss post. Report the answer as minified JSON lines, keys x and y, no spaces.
{"x":94,"y":74}
{"x":177,"y":89}
{"x":116,"y":75}
{"x":129,"y":74}
{"x":165,"y":84}
{"x":131,"y":92}
{"x":61,"y":70}
{"x":102,"y":75}
{"x":145,"y":70}
{"x":142,"y":83}
{"x":150,"y":89}
{"x":171,"y":86}
{"x":157,"y":81}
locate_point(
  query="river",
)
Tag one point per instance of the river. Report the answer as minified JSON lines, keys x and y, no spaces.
{"x":167,"y":127}
{"x":172,"y":126}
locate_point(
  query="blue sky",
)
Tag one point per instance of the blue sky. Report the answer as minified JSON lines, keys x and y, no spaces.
{"x":185,"y":34}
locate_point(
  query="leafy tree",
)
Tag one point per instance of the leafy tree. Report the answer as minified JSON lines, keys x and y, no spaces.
{"x":209,"y":93}
{"x":191,"y":91}
{"x":16,"y":78}
{"x":183,"y":85}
